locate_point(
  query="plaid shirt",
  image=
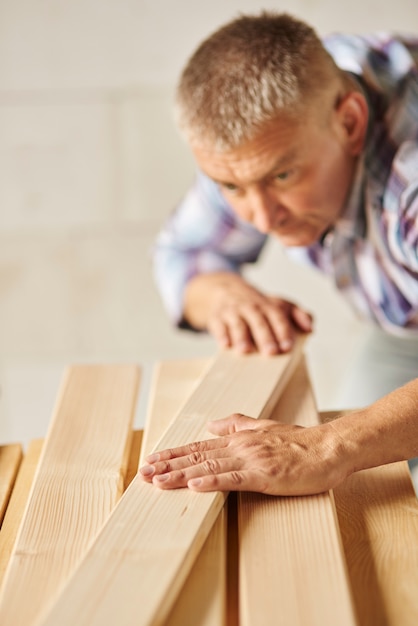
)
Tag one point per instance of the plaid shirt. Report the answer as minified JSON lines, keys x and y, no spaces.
{"x":372,"y":251}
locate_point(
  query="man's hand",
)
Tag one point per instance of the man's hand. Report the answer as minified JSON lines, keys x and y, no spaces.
{"x":253,"y":455}
{"x":241,"y":317}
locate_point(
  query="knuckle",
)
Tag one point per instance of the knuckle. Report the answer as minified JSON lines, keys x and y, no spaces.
{"x":180,"y":475}
{"x":211,"y":466}
{"x":195,"y":458}
{"x":254,"y":310}
{"x":196,"y":446}
{"x":236,"y":478}
{"x":272,"y":471}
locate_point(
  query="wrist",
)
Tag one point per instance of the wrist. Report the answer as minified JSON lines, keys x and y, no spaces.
{"x":340,"y":454}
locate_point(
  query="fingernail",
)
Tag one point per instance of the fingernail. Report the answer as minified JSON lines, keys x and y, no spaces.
{"x":153,"y":458}
{"x":147,"y":470}
{"x":162,"y":477}
{"x":286,"y":344}
{"x":195,"y":482}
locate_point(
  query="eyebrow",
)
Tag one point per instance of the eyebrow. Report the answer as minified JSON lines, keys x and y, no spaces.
{"x":284,"y":160}
{"x":280,"y":164}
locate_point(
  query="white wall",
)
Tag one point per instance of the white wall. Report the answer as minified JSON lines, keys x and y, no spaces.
{"x":90,"y":164}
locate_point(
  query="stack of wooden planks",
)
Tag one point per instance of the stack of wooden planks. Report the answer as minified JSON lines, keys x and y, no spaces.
{"x":84,"y":541}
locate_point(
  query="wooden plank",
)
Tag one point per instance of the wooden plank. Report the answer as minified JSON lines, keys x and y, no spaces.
{"x":134,"y":455}
{"x":10,"y":458}
{"x":138,"y":564}
{"x":17,"y":503}
{"x":22,"y":487}
{"x":172,"y":383}
{"x":297,"y":541}
{"x":378,"y":514}
{"x":77,"y":483}
{"x":203,"y":595}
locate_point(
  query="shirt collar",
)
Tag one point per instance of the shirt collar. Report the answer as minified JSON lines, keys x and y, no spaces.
{"x":351,"y":223}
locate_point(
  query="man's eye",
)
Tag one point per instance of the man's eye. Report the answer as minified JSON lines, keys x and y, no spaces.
{"x":229,"y":186}
{"x":283,"y":175}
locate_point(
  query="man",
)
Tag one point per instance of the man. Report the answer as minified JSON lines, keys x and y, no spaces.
{"x":316,"y":144}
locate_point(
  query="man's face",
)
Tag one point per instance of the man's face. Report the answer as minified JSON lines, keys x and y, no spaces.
{"x":290,"y":181}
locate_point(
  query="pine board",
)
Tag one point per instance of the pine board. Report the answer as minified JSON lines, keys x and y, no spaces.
{"x":10,"y":458}
{"x":23,"y":483}
{"x":378,"y":515}
{"x":297,"y":541}
{"x":172,"y":383}
{"x":203,"y":595}
{"x":17,"y":503}
{"x":138,"y":564}
{"x":78,"y":481}
{"x":134,"y":455}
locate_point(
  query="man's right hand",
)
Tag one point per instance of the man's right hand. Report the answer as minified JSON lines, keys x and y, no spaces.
{"x":241,"y":317}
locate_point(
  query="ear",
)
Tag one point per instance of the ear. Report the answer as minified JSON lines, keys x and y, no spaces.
{"x":352,"y":116}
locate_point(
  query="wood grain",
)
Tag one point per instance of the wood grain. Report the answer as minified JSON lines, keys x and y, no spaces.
{"x":134,"y":455}
{"x":10,"y":458}
{"x":378,"y":514}
{"x":297,"y":541}
{"x":137,"y":566}
{"x":172,"y":383}
{"x":202,"y":599}
{"x":17,"y":503}
{"x":78,"y":481}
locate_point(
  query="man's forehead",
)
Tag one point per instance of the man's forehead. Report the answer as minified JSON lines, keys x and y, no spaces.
{"x":251,"y":161}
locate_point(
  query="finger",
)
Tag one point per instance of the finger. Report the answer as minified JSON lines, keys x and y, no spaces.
{"x":281,"y":323}
{"x":219,"y":330}
{"x":239,"y":333}
{"x":231,"y":424}
{"x":183,"y":462}
{"x":235,"y":480}
{"x":302,"y":319}
{"x":263,"y":334}
{"x":211,"y":467}
{"x":190,"y":448}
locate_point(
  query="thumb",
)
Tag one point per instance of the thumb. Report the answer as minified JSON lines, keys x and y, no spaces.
{"x":232,"y":424}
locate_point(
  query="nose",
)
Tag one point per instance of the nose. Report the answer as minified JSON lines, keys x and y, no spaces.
{"x":266,"y":210}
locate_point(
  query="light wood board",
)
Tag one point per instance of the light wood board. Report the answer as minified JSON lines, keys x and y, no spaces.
{"x":202,"y":599}
{"x":78,"y":481}
{"x":172,"y":383}
{"x":297,"y":541}
{"x":10,"y":458}
{"x":23,"y":483}
{"x":17,"y":504}
{"x":378,"y":515}
{"x":137,"y":566}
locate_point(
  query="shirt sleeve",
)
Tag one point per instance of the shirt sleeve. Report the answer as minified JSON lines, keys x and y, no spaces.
{"x":202,"y":235}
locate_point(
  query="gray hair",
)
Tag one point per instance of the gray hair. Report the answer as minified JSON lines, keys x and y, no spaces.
{"x":246,"y":74}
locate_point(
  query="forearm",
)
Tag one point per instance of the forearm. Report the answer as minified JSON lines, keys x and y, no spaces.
{"x":384,"y":432}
